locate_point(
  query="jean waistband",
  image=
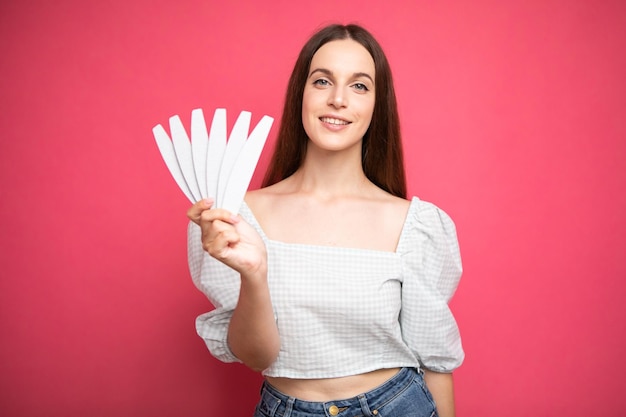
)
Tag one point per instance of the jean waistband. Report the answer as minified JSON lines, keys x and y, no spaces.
{"x":275,"y":402}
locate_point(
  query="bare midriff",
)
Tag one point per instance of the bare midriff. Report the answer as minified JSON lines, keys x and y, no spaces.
{"x":328,"y":389}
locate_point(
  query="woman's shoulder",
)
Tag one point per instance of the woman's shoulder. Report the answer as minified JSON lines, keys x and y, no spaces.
{"x":426,"y":211}
{"x":427,"y":222}
{"x":264,"y":203}
{"x":264,"y":198}
{"x":430,"y":245}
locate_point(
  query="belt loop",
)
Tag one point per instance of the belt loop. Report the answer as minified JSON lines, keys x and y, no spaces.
{"x":364,"y":406}
{"x":289,"y":406}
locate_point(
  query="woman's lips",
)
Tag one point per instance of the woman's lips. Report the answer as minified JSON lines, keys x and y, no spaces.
{"x":334,"y":121}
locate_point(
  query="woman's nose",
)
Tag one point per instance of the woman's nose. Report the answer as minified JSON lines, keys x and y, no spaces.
{"x":337,"y":98}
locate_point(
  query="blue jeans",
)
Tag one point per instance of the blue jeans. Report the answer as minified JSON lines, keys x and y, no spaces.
{"x":404,"y":395}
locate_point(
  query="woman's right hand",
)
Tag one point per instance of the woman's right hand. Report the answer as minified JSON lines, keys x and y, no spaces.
{"x":229,"y":239}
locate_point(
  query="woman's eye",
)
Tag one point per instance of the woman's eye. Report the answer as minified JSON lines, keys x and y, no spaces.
{"x":361,"y":87}
{"x":320,"y":82}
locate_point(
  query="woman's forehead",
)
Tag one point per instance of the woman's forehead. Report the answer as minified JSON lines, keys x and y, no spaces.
{"x":345,"y":55}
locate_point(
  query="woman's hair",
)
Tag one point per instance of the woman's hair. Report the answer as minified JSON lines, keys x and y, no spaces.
{"x":382,"y":146}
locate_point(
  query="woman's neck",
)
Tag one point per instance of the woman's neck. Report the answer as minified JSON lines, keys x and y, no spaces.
{"x":331,"y":177}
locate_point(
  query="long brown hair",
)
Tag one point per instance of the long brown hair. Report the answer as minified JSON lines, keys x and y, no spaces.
{"x":382,"y":145}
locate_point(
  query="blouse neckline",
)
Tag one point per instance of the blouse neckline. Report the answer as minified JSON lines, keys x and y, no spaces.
{"x":405,"y":226}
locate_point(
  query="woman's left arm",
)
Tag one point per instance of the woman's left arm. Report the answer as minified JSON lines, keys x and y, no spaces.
{"x":441,"y":386}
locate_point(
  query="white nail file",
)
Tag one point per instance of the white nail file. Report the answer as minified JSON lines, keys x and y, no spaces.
{"x":182,"y":146}
{"x":217,"y":146}
{"x":243,"y":169}
{"x":199,"y":149}
{"x":236,"y":142}
{"x":208,"y":165}
{"x":169,"y":156}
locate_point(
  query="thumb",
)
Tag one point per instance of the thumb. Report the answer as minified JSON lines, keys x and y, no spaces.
{"x":195,"y":212}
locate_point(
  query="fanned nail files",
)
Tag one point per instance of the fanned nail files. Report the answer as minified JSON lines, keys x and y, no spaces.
{"x":208,"y":165}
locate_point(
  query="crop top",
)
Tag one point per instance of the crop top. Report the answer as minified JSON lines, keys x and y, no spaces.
{"x":346,"y":311}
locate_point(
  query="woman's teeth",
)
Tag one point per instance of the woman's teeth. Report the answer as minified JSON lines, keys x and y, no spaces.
{"x":332,"y":121}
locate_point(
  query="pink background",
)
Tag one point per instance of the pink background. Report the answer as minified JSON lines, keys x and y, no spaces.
{"x":513,"y":116}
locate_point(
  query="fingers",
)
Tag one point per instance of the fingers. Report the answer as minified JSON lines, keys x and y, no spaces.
{"x":201,"y":211}
{"x":218,"y":232}
{"x":195,"y":212}
{"x":219,"y":239}
{"x":221,"y":235}
{"x":209,"y":216}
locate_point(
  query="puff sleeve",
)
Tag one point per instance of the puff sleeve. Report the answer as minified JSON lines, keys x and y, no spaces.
{"x":221,"y":286}
{"x":431,"y":273}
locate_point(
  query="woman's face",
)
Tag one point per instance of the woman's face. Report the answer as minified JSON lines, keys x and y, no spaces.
{"x":339,"y":95}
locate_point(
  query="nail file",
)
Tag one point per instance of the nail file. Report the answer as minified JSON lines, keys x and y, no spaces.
{"x":199,"y":149}
{"x":208,"y":165}
{"x":215,"y":153}
{"x":182,"y":147}
{"x":236,"y":142}
{"x":243,"y":169}
{"x":169,"y":156}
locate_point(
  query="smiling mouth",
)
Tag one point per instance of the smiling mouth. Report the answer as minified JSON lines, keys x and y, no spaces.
{"x":334,"y":121}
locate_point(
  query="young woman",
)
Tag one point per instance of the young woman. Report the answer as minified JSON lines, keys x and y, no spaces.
{"x":330,"y":282}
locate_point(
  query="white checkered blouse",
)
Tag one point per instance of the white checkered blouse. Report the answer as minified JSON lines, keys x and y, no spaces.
{"x":346,"y":311}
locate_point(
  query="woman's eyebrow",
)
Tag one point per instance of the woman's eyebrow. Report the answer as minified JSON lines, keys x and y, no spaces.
{"x":363,"y":74}
{"x":329,"y":73}
{"x":324,"y":71}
